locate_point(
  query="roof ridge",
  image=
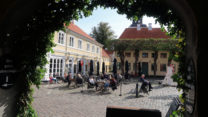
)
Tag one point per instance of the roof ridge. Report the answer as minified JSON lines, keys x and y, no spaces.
{"x":79,"y":31}
{"x":133,"y":33}
{"x":105,"y":53}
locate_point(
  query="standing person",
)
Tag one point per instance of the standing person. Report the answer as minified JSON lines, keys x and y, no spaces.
{"x":146,"y":82}
{"x":68,"y":78}
{"x":168,"y":81}
{"x":173,"y":68}
{"x":119,"y":77}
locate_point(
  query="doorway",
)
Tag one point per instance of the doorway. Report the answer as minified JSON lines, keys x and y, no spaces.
{"x":145,"y":68}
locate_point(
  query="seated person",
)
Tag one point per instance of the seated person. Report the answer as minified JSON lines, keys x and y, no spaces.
{"x":79,"y":79}
{"x":107,"y":84}
{"x":91,"y":81}
{"x":106,"y":76}
{"x":52,"y":79}
{"x":102,"y":77}
{"x":145,"y":82}
{"x":113,"y":83}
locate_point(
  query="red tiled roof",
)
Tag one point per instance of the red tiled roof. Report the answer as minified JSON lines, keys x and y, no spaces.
{"x":104,"y":53}
{"x":109,"y":52}
{"x":76,"y":29}
{"x":133,"y":33}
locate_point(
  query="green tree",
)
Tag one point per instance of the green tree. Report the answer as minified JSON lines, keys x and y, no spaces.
{"x":120,"y":47}
{"x":137,"y":45}
{"x":153,"y":45}
{"x":103,"y":34}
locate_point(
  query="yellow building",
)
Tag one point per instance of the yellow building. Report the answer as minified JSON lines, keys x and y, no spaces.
{"x":137,"y":31}
{"x":73,"y":45}
{"x":107,"y":60}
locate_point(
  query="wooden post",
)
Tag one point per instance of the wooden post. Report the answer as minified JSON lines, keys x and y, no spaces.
{"x":137,"y":90}
{"x":120,"y":88}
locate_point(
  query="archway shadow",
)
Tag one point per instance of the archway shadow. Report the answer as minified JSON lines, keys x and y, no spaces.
{"x":8,"y":98}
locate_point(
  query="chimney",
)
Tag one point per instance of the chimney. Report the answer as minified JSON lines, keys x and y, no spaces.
{"x":138,"y":27}
{"x":150,"y":26}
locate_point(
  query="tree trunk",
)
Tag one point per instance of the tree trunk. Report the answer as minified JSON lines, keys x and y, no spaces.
{"x":170,"y":59}
{"x":122,"y":57}
{"x":155,"y":62}
{"x":136,"y":53}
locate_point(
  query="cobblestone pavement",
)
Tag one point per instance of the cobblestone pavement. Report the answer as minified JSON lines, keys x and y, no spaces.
{"x":57,"y":100}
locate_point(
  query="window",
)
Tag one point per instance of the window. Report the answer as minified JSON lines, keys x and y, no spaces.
{"x":79,"y":44}
{"x":153,"y":66}
{"x":97,"y":50}
{"x":71,"y":41}
{"x":163,"y":55}
{"x":50,"y":70}
{"x":163,"y":67}
{"x":61,"y":70}
{"x":57,"y":73}
{"x":61,"y":37}
{"x":144,"y":55}
{"x":56,"y":65}
{"x":128,"y":54}
{"x":153,"y":55}
{"x":88,"y":47}
{"x":93,"y":48}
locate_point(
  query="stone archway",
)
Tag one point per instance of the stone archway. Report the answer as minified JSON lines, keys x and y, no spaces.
{"x":10,"y":19}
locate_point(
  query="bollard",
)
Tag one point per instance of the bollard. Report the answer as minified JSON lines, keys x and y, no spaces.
{"x":137,"y":90}
{"x":120,"y":89}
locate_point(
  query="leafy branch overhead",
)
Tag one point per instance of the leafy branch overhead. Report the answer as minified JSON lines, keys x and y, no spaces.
{"x":146,"y":44}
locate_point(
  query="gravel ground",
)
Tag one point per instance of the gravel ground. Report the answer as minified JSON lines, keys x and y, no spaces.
{"x":57,"y":100}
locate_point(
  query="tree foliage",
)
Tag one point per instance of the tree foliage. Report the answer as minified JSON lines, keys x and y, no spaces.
{"x":137,"y":45}
{"x":103,"y":34}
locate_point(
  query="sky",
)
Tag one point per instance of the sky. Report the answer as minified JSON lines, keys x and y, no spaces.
{"x":117,"y":22}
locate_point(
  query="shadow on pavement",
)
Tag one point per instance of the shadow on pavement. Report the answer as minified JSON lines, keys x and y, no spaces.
{"x":133,"y":97}
{"x":166,"y":97}
{"x":91,"y":92}
{"x":63,"y":87}
{"x":158,"y":87}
